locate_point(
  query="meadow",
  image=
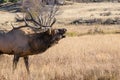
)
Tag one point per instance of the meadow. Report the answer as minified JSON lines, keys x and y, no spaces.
{"x":89,"y":52}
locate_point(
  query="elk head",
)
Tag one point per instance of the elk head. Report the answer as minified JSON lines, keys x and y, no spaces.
{"x":43,"y":23}
{"x":58,"y":34}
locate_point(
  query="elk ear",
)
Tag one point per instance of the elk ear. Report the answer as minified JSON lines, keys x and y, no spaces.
{"x":52,"y":31}
{"x":49,"y":31}
{"x":55,"y":31}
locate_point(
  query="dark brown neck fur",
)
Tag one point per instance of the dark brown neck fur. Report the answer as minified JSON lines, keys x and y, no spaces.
{"x":40,"y":42}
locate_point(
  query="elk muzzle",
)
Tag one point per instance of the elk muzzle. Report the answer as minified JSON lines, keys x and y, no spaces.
{"x":59,"y":34}
{"x":62,"y":32}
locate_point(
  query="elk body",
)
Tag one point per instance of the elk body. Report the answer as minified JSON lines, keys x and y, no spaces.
{"x":17,"y":43}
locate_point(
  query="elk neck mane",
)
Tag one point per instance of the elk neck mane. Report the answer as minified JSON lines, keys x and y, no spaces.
{"x":40,"y":42}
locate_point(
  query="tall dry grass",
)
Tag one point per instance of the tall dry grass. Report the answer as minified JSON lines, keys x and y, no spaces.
{"x":74,"y":58}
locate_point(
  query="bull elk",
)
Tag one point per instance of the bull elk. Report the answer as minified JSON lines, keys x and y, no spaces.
{"x":17,"y":43}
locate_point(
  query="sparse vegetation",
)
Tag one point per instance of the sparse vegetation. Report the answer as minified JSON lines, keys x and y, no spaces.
{"x":107,"y":21}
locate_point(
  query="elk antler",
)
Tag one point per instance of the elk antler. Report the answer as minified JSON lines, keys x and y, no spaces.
{"x":44,"y":19}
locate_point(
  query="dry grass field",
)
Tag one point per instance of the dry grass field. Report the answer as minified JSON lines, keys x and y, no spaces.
{"x":92,"y":56}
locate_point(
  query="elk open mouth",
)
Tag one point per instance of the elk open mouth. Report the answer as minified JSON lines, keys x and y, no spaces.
{"x":60,"y":35}
{"x":63,"y":32}
{"x":63,"y":36}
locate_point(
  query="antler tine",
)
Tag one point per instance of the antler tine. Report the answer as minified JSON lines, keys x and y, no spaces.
{"x":53,"y":22}
{"x":45,"y":20}
{"x":26,"y":24}
{"x":51,"y":18}
{"x":34,"y":19}
{"x":40,"y":20}
{"x":28,"y":10}
{"x":12,"y":26}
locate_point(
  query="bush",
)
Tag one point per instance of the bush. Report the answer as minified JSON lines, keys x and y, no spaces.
{"x":4,"y":1}
{"x":13,"y":0}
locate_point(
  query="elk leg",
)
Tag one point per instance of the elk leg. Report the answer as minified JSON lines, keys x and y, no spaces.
{"x":15,"y":61}
{"x":27,"y":63}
